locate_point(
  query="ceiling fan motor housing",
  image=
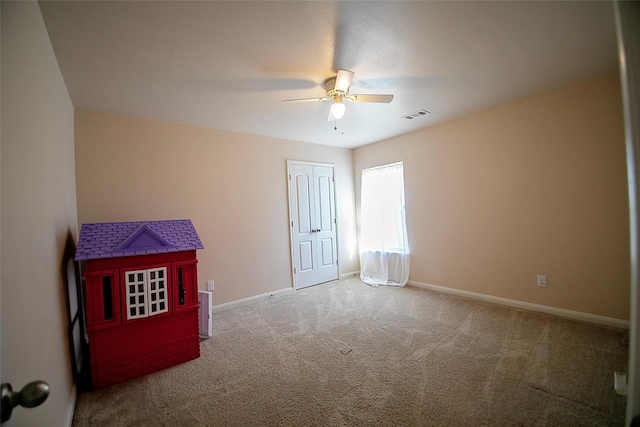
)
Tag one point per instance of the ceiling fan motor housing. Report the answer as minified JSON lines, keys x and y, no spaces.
{"x":330,"y":85}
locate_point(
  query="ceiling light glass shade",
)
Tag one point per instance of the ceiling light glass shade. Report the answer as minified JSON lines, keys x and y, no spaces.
{"x":337,"y":110}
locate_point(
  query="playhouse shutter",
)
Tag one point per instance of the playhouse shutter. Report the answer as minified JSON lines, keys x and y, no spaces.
{"x":136,"y":294}
{"x":157,"y":291}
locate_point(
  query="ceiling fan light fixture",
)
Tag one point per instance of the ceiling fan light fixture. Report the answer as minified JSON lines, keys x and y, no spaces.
{"x":337,"y":108}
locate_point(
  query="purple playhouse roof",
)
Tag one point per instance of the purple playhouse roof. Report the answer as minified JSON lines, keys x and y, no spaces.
{"x":118,"y":239}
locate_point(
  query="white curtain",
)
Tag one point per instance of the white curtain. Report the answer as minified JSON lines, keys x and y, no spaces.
{"x":384,"y":251}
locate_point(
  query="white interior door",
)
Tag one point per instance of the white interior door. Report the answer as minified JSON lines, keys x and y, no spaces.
{"x":313,"y":223}
{"x":325,"y":220}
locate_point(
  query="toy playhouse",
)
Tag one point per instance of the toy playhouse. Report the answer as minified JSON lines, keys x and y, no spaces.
{"x":141,"y":296}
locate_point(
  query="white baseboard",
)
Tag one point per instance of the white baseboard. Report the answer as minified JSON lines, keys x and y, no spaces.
{"x":576,"y":315}
{"x":349,"y":275}
{"x":243,"y":301}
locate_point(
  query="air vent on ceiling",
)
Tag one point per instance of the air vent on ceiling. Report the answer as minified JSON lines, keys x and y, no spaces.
{"x":416,"y":114}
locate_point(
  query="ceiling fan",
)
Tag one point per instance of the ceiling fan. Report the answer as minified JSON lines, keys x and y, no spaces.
{"x":337,"y":89}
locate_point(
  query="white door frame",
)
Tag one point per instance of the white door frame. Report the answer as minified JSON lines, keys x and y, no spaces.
{"x":626,"y":15}
{"x":291,"y":237}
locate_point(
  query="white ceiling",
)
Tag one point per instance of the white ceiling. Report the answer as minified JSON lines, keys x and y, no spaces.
{"x":228,"y":65}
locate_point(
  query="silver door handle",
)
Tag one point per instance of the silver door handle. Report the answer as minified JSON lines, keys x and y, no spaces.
{"x":31,"y":395}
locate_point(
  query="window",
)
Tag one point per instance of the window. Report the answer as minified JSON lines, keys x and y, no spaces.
{"x":382,"y":209}
{"x":181,"y":290}
{"x":107,"y":299}
{"x":384,"y":252}
{"x":146,"y":292}
{"x":103,"y":296}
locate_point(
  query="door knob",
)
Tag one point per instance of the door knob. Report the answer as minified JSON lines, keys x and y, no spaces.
{"x":31,"y":395}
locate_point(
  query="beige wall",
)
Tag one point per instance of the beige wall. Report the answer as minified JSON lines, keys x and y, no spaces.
{"x":535,"y":187}
{"x":232,"y":186}
{"x":493,"y":199}
{"x":38,"y":201}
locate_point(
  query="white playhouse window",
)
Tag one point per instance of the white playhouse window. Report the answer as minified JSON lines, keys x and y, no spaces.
{"x":146,"y":292}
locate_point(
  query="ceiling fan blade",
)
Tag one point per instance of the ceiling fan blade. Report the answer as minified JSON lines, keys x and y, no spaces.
{"x":343,"y":80}
{"x":324,"y":98}
{"x":384,"y":99}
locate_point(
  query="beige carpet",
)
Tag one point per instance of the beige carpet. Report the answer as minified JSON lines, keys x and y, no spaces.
{"x":344,"y":353}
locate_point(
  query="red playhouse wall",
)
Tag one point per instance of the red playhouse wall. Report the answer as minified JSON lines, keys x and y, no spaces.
{"x":123,"y":349}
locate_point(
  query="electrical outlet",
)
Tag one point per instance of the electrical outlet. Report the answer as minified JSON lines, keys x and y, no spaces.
{"x":210,"y":285}
{"x":542,"y":281}
{"x":620,"y":383}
